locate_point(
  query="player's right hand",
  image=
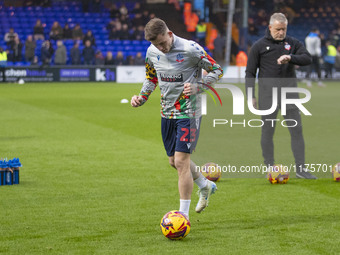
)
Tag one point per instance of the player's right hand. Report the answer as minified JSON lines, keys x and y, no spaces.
{"x":136,"y":101}
{"x":190,"y":89}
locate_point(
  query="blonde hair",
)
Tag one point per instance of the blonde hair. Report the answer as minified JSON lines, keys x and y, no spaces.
{"x":154,"y":28}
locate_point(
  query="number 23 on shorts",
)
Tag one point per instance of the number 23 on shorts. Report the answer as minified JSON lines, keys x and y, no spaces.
{"x":184,"y":137}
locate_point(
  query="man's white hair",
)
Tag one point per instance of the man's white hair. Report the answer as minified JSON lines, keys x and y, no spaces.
{"x":279,"y":17}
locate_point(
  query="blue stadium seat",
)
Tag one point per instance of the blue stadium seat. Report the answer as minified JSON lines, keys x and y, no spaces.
{"x":114,"y":42}
{"x":68,"y":42}
{"x":144,"y":42}
{"x":19,"y":64}
{"x":136,"y":42}
{"x":129,"y":47}
{"x":79,"y":19}
{"x":139,"y":48}
{"x":127,"y":42}
{"x":119,"y":48}
{"x":130,"y":53}
{"x":101,"y":48}
{"x":20,"y":14}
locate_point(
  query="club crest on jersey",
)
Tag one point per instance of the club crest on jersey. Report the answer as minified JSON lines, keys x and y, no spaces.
{"x":158,"y":57}
{"x":287,"y":46}
{"x":179,"y":58}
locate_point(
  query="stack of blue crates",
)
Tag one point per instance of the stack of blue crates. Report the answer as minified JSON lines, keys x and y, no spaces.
{"x":9,"y":171}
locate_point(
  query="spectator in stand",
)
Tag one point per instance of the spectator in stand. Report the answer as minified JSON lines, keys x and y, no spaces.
{"x":109,"y":60}
{"x":38,"y":31}
{"x":46,"y":53}
{"x":10,"y":37}
{"x":60,"y":56}
{"x":35,"y":61}
{"x":89,"y":37}
{"x":77,"y":32}
{"x":120,"y":60}
{"x":252,"y":28}
{"x":56,"y":32}
{"x":67,"y":32}
{"x":114,"y":11}
{"x":88,"y":53}
{"x":130,"y":60}
{"x":334,"y":37}
{"x":115,"y":29}
{"x":137,"y":8}
{"x":99,"y":58}
{"x":111,"y":25}
{"x":124,"y":19}
{"x":123,"y":10}
{"x":114,"y":34}
{"x":138,"y":34}
{"x":137,"y":20}
{"x":125,"y":33}
{"x":30,"y":46}
{"x":118,"y":25}
{"x":145,"y":17}
{"x":139,"y":60}
{"x":152,"y":16}
{"x":262,"y":19}
{"x":75,"y":54}
{"x":219,"y":45}
{"x":16,"y":50}
{"x":117,"y":32}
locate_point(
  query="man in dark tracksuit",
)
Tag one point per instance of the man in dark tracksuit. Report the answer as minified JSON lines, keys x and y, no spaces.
{"x":275,"y":55}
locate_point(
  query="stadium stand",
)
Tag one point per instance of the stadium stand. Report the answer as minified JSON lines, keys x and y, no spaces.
{"x":302,"y":17}
{"x":23,"y":19}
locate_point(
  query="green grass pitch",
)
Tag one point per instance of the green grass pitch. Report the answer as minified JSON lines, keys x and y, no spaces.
{"x":96,"y":180}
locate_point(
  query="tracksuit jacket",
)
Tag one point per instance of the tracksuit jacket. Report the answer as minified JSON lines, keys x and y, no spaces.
{"x":263,"y":57}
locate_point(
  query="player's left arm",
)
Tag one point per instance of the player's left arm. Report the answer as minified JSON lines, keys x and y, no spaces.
{"x":208,"y":64}
{"x":214,"y":70}
{"x":300,"y":56}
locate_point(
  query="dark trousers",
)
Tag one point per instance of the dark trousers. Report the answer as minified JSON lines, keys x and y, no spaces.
{"x":329,"y":70}
{"x":315,"y":65}
{"x":3,"y":70}
{"x":297,"y":141}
